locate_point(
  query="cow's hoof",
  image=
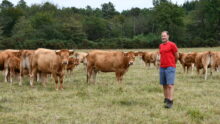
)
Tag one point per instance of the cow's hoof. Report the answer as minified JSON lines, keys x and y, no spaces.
{"x":57,"y":89}
{"x":61,"y":89}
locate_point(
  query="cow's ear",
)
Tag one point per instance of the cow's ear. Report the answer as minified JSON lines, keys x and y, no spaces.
{"x":71,"y":52}
{"x":125,"y":53}
{"x":136,"y":53}
{"x":58,"y":52}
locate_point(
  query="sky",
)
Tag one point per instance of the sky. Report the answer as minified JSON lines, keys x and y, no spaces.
{"x":119,"y":4}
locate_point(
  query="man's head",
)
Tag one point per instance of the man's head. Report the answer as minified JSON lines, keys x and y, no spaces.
{"x":165,"y":36}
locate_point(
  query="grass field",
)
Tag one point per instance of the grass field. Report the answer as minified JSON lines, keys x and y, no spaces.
{"x":138,"y":100}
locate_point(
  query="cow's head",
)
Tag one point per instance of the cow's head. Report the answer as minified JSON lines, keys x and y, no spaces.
{"x":180,"y":56}
{"x":64,"y":55}
{"x":76,"y":62}
{"x":73,"y":61}
{"x":130,"y":57}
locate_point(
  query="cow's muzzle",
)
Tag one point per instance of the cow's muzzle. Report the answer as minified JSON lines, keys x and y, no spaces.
{"x":131,"y":63}
{"x":65,"y":62}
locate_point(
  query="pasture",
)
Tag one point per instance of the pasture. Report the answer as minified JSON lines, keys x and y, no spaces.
{"x":139,"y":99}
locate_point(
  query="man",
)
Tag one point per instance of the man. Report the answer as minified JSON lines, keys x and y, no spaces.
{"x":169,"y":57}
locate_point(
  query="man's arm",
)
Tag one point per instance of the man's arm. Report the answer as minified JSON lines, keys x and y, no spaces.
{"x":176,"y":56}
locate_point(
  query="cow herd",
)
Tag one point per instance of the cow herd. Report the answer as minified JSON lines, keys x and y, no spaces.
{"x":40,"y":63}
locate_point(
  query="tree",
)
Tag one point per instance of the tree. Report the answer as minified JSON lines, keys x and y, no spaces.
{"x":8,"y":18}
{"x":22,"y":4}
{"x":95,"y":28}
{"x":6,"y":4}
{"x":169,"y":16}
{"x":108,"y":10}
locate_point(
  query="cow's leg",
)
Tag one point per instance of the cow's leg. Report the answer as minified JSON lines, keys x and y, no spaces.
{"x":6,"y":71}
{"x":94,"y":73}
{"x":187,"y":71}
{"x":211,"y":69}
{"x":119,"y":77}
{"x":11,"y":74}
{"x":89,"y":73}
{"x":33,"y":76}
{"x":198,"y":70}
{"x":184,"y":69}
{"x":56,"y":80}
{"x":61,"y":82}
{"x":154,"y":64}
{"x":43,"y":78}
{"x":117,"y":74}
{"x":21,"y":76}
{"x":205,"y":69}
{"x":38,"y":77}
{"x":192,"y":68}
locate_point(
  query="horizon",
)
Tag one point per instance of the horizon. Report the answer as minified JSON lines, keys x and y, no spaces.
{"x":119,"y":5}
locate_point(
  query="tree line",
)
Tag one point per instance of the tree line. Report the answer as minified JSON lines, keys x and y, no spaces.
{"x":194,"y":24}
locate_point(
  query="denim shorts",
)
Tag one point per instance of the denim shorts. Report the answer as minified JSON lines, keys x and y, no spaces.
{"x":167,"y":75}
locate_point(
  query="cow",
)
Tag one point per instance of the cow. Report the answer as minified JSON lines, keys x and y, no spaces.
{"x":25,"y":64}
{"x":187,"y":60}
{"x":12,"y":65}
{"x":215,"y":61}
{"x":150,"y":57}
{"x":48,"y":61}
{"x":81,"y":57}
{"x":202,"y":61}
{"x":73,"y":62}
{"x":108,"y":61}
{"x":4,"y":56}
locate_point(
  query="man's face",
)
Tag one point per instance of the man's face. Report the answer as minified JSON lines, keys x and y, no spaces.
{"x":164,"y":37}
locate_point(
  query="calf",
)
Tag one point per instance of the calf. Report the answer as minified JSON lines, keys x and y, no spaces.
{"x":150,"y":57}
{"x":81,"y":56}
{"x":4,"y":56}
{"x":202,"y":61}
{"x":12,"y":66}
{"x":73,"y":62}
{"x":187,"y":60}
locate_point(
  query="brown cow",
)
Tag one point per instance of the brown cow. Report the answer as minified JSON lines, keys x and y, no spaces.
{"x":202,"y":61}
{"x":73,"y":62}
{"x":4,"y":56}
{"x":150,"y":57}
{"x":12,"y":65}
{"x":50,"y":62}
{"x":25,"y":64}
{"x":81,"y":57}
{"x":108,"y":61}
{"x":215,"y":61}
{"x":187,"y":60}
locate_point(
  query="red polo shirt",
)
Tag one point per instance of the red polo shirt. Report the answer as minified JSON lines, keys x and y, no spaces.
{"x":167,"y":54}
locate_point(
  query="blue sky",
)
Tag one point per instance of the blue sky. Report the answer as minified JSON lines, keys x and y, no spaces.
{"x":119,"y":4}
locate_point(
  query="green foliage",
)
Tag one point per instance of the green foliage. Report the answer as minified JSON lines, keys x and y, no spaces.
{"x":193,"y":24}
{"x":108,"y":10}
{"x":96,"y":28}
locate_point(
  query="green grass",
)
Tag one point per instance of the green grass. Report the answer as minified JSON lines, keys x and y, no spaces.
{"x":138,"y":100}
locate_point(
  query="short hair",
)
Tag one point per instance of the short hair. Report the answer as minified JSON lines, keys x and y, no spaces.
{"x":165,"y":32}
